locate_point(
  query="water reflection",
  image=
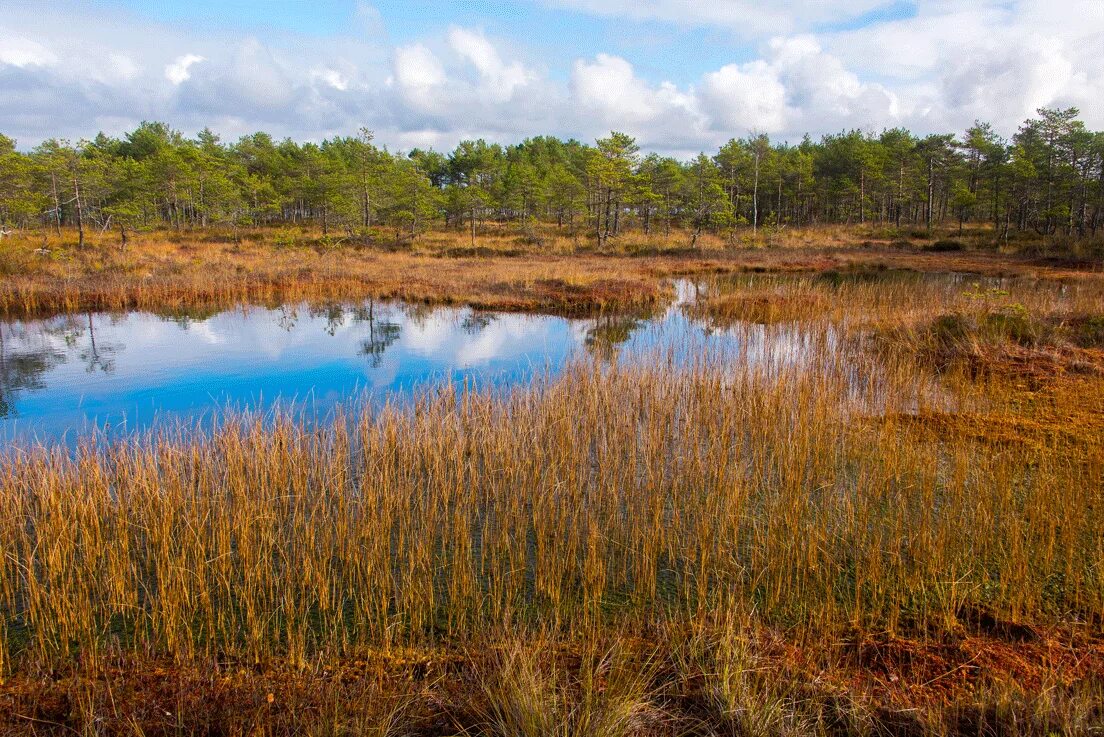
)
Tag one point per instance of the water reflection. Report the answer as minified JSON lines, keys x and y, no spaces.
{"x":22,"y":370}
{"x":382,"y":333}
{"x":609,"y":333}
{"x":29,"y":353}
{"x":98,"y":356}
{"x":61,"y":376}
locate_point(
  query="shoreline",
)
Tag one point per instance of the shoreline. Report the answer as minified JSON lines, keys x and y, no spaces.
{"x":155,"y":274}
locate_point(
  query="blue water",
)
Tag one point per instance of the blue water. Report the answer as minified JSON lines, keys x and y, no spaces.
{"x":121,"y":373}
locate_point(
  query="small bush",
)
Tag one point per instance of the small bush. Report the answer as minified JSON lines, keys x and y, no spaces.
{"x":12,"y":263}
{"x":954,"y":328}
{"x":286,"y":238}
{"x":1088,"y":332}
{"x":946,"y":245}
{"x":1014,"y":324}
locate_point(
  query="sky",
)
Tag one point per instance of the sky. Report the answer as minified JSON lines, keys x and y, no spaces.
{"x":680,"y":75}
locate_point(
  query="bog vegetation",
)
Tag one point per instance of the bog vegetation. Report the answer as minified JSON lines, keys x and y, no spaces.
{"x":891,"y":522}
{"x":1048,"y":179}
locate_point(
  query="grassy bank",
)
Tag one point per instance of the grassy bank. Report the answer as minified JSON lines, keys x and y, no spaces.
{"x":169,"y":271}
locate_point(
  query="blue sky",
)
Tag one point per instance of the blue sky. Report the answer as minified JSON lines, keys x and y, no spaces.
{"x":678,"y":52}
{"x":681,"y":76}
{"x":552,"y":36}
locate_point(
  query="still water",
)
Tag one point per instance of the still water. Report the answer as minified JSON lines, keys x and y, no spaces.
{"x":120,"y":373}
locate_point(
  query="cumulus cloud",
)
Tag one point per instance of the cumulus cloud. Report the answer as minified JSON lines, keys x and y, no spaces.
{"x":608,"y":85}
{"x":179,"y":71}
{"x":499,"y":79}
{"x":463,"y":85}
{"x":331,"y":77}
{"x":122,"y":66}
{"x":796,"y":87}
{"x":606,"y":93}
{"x":745,"y":96}
{"x":417,"y":69}
{"x":67,"y":74}
{"x":991,"y":60}
{"x":473,"y":70}
{"x":23,"y":52}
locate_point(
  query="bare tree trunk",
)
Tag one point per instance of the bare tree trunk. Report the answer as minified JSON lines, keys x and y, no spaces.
{"x":80,"y":210}
{"x":608,"y":207}
{"x":598,"y":229}
{"x":931,"y":191}
{"x":57,"y":203}
{"x":778,"y":207}
{"x":900,"y":193}
{"x":667,"y":216}
{"x":755,"y":199}
{"x":862,"y":196}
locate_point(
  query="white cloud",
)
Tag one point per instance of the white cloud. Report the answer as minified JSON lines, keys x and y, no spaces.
{"x":992,"y":60}
{"x":609,"y":86}
{"x":334,"y":79}
{"x":425,"y":82}
{"x":608,"y":92}
{"x":418,"y":73}
{"x":417,"y":67}
{"x":796,"y":87}
{"x":22,"y":52}
{"x":369,"y":19}
{"x":460,"y":86}
{"x":746,"y":96}
{"x":122,"y":66}
{"x":499,"y":79}
{"x":824,"y":93}
{"x":69,"y":72}
{"x":1010,"y":83}
{"x":178,"y":72}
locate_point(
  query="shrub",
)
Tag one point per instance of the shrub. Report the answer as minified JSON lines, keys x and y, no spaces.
{"x":12,"y":263}
{"x":1015,"y":324}
{"x":953,"y":328}
{"x":1088,"y":332}
{"x":946,"y":245}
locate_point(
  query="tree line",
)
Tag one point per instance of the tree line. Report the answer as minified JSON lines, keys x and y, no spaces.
{"x":1049,"y":179}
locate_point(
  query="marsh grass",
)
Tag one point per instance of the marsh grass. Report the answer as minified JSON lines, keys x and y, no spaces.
{"x":162,"y":274}
{"x":604,"y":496}
{"x":167,"y":270}
{"x":725,"y":546}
